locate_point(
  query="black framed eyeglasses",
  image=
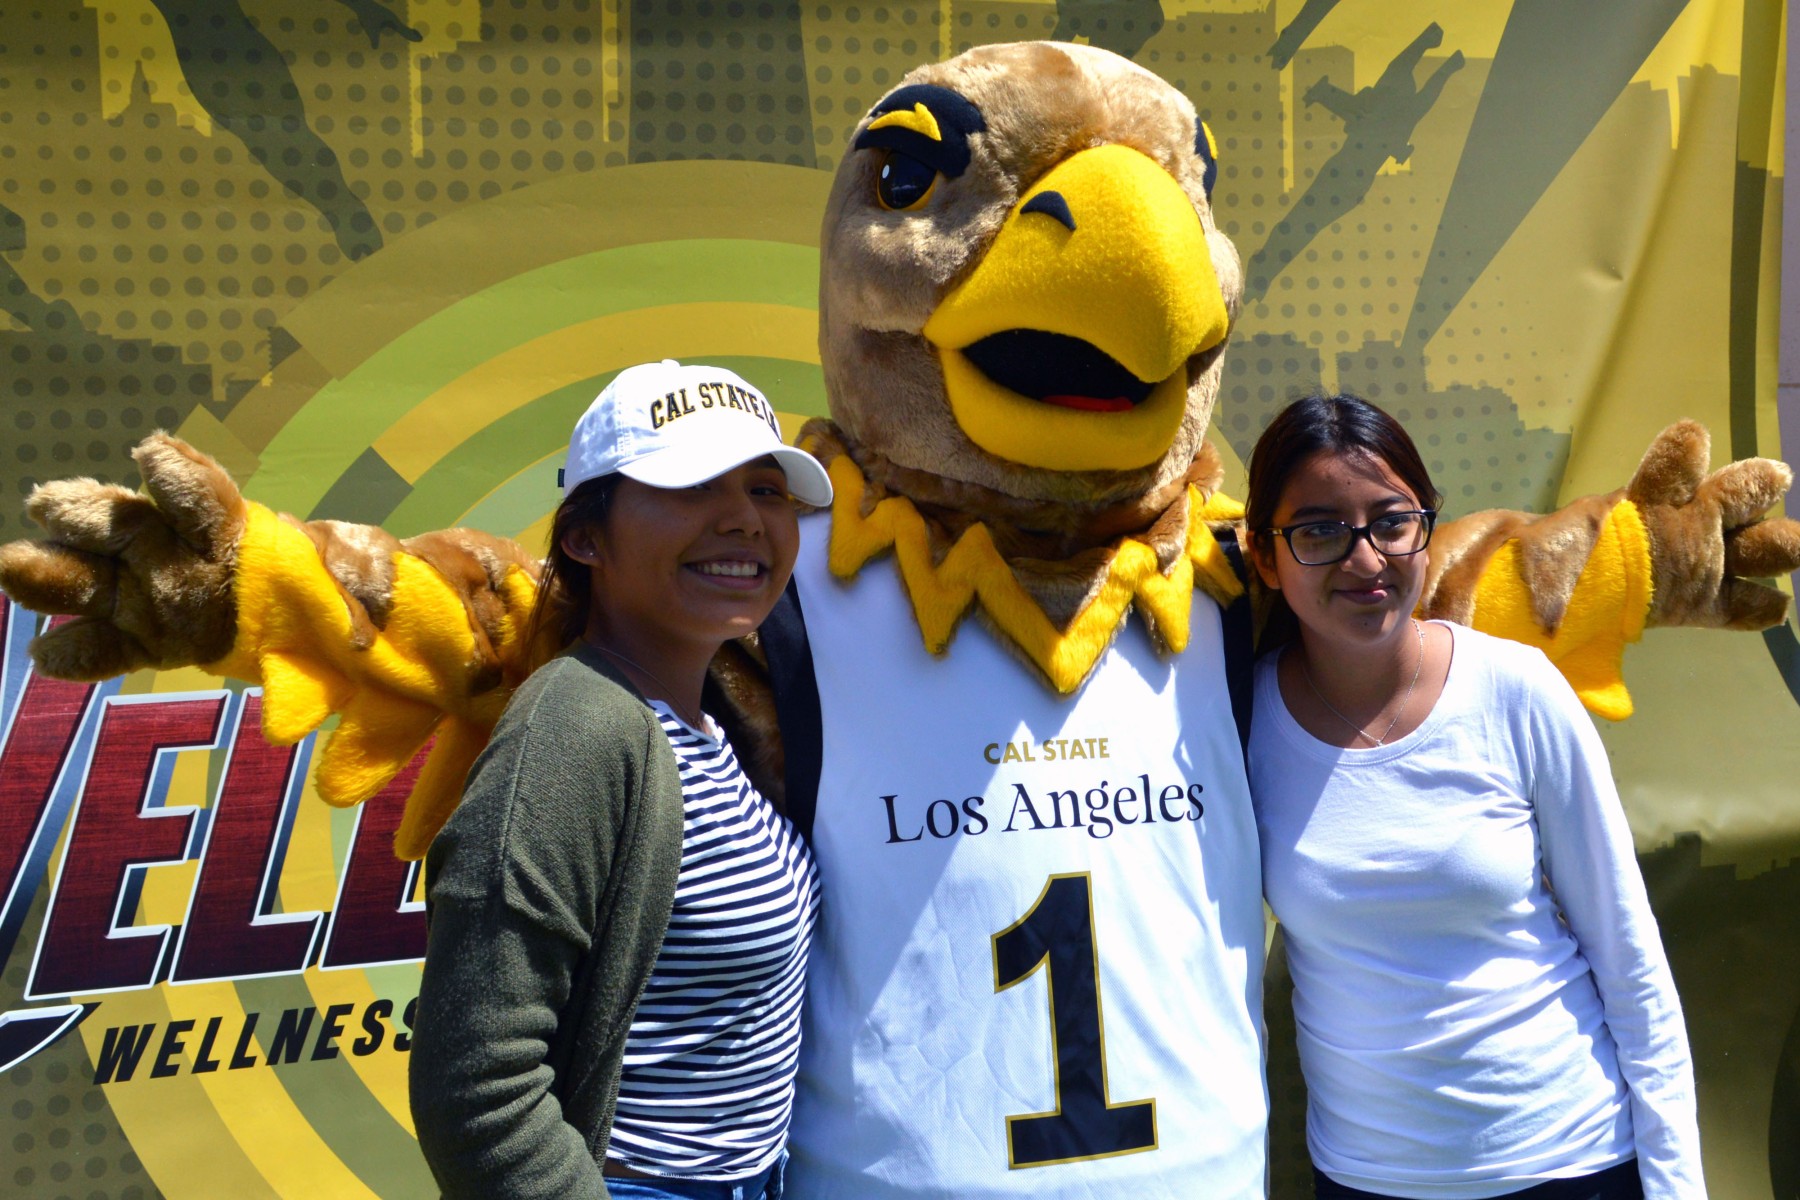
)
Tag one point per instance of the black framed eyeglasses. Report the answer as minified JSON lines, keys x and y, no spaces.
{"x":1395,"y":534}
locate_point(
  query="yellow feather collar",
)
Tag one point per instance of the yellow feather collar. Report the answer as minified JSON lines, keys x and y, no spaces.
{"x":974,"y":571}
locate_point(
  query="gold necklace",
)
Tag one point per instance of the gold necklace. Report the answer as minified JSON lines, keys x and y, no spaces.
{"x":695,"y":722}
{"x":1382,"y":740}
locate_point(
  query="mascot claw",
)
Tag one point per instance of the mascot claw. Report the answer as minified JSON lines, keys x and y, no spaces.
{"x":146,"y":575}
{"x":1708,"y":534}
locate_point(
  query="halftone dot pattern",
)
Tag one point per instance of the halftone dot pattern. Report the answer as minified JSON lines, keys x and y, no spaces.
{"x":1476,"y":446}
{"x":977,"y":24}
{"x":534,"y":93}
{"x":856,"y":53}
{"x":77,"y":406}
{"x":1217,"y":62}
{"x":1479,"y":452}
{"x":1317,"y":133}
{"x":719,"y":79}
{"x":152,"y":262}
{"x":200,"y":242}
{"x":166,"y":251}
{"x":1336,"y":231}
{"x":101,"y":304}
{"x":61,"y":1138}
{"x":1340,"y":269}
{"x":1264,"y":372}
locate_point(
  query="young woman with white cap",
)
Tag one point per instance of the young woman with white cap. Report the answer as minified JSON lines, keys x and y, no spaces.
{"x":619,"y":922}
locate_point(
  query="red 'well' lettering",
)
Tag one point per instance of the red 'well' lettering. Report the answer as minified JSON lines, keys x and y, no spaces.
{"x":114,"y":830}
{"x":231,"y":931}
{"x":32,"y":752}
{"x":375,"y":922}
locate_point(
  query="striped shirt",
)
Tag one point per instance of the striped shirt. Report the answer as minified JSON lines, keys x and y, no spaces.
{"x":708,"y":1081}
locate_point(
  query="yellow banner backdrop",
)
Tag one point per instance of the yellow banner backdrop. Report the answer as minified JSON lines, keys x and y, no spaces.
{"x":376,"y":255}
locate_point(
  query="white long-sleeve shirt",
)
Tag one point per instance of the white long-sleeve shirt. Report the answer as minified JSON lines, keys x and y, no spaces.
{"x":1481,"y":994}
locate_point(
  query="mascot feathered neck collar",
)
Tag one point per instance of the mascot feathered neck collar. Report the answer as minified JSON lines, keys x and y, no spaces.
{"x":1054,"y":590}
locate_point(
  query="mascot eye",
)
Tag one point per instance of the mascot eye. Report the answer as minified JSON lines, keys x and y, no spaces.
{"x":903,"y":182}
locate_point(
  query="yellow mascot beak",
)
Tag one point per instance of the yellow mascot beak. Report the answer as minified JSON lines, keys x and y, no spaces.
{"x":1067,"y":348}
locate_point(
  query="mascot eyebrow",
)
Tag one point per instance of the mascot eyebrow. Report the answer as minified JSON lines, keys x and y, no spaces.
{"x":1208,"y":150}
{"x":931,"y":124}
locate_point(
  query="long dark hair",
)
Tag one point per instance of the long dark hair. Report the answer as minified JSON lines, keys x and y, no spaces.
{"x":1341,"y":426}
{"x":565,"y":595}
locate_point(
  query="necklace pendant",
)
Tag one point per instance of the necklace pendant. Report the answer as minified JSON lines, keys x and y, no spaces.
{"x":1418,"y":666}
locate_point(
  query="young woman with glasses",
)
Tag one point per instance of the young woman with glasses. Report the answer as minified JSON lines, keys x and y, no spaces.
{"x":1483,"y":1003}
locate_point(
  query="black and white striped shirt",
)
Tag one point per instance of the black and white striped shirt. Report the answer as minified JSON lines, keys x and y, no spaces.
{"x":708,"y":1082}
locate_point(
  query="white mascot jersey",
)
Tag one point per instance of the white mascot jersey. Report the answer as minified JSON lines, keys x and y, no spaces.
{"x":1038,"y":966}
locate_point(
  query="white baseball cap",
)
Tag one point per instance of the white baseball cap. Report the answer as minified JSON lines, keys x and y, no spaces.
{"x":673,"y":426}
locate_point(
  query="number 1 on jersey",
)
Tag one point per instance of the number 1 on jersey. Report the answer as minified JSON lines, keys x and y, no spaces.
{"x":1059,"y":931}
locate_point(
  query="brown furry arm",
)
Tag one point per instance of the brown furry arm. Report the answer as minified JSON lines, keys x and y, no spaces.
{"x":1673,"y":547}
{"x":407,"y":640}
{"x":1707,"y":534}
{"x":739,"y":694}
{"x":1709,"y":537}
{"x":1553,"y":549}
{"x":149,"y":575}
{"x":146,"y":575}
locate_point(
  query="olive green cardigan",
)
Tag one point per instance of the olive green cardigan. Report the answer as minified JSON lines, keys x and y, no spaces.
{"x":548,"y":897}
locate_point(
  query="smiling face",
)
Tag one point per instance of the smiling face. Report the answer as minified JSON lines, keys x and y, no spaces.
{"x":1365,"y":598}
{"x":677,"y":572}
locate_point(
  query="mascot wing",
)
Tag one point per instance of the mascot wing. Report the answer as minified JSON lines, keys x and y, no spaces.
{"x":1675,"y":547}
{"x":408,"y":641}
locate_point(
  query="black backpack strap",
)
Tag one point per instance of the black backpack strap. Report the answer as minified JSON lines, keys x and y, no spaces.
{"x":1240,"y":651}
{"x":783,"y":638}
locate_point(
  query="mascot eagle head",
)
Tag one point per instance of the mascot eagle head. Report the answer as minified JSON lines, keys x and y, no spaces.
{"x":1024,"y":298}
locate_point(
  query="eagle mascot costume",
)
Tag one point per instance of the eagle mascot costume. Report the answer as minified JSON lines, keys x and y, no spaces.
{"x":1024,"y":305}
